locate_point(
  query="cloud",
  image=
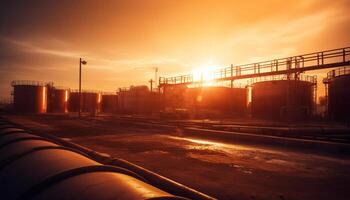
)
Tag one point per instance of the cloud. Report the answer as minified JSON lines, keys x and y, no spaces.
{"x":277,"y":38}
{"x":30,"y":47}
{"x":123,"y":42}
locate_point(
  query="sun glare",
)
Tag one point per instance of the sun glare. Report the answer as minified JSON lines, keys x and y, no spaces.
{"x":204,"y":73}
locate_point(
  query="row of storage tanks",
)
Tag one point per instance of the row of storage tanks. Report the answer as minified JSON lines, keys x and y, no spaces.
{"x":284,"y":97}
{"x":204,"y":101}
{"x":268,"y":97}
{"x":273,"y":97}
{"x":38,"y":97}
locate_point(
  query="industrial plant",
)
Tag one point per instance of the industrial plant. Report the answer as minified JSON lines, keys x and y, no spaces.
{"x":174,"y":100}
{"x":267,"y":114}
{"x":276,"y":90}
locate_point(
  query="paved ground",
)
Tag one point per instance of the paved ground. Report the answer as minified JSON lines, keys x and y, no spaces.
{"x":225,"y":171}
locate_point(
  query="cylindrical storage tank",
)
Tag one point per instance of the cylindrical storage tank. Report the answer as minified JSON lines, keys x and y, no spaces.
{"x":173,"y":96}
{"x":138,"y":100}
{"x":216,"y":101}
{"x":339,"y":95}
{"x":73,"y":102}
{"x":90,"y":101}
{"x":109,"y":103}
{"x":57,"y":100}
{"x":282,"y":99}
{"x":29,"y":97}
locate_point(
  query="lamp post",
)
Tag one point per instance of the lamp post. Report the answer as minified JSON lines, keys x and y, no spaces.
{"x":84,"y":63}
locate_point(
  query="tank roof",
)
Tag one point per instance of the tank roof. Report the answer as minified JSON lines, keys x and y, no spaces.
{"x":134,"y":88}
{"x":85,"y":91}
{"x":30,"y":83}
{"x":338,"y":72}
{"x":221,"y":84}
{"x":60,"y":88}
{"x":304,"y":78}
{"x":109,"y":93}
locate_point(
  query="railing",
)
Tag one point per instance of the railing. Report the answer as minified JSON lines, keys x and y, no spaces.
{"x":217,"y":84}
{"x":38,"y":83}
{"x":6,"y":100}
{"x":28,"y":82}
{"x":301,"y":77}
{"x":133,"y":88}
{"x":85,"y":91}
{"x":300,"y":63}
{"x":338,"y":72}
{"x":176,"y":79}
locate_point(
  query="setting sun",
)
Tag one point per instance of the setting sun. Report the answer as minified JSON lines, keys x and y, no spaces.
{"x":205,"y":73}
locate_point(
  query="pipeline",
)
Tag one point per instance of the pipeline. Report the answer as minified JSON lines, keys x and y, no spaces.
{"x":34,"y":166}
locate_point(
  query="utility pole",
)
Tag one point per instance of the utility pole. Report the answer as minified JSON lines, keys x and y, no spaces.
{"x":84,"y":63}
{"x":151,"y":82}
{"x":156,"y":76}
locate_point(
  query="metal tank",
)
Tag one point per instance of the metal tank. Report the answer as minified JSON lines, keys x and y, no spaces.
{"x":109,"y":103}
{"x":57,"y":101}
{"x":29,"y":96}
{"x":90,"y":101}
{"x":338,"y":82}
{"x":73,"y":101}
{"x":173,"y":96}
{"x":216,"y":101}
{"x":283,"y":99}
{"x":138,"y":100}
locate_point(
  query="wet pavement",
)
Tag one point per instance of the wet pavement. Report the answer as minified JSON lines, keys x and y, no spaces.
{"x":223,"y":170}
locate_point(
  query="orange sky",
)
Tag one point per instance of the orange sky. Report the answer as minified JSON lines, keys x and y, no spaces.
{"x":124,"y":40}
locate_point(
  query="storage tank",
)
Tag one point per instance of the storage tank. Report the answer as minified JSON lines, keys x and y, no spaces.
{"x":283,"y":99}
{"x":29,"y":96}
{"x":57,"y":100}
{"x":138,"y":100}
{"x":216,"y":101}
{"x":173,"y":96}
{"x":109,"y":103}
{"x":339,"y":94}
{"x":73,"y":101}
{"x":90,"y":101}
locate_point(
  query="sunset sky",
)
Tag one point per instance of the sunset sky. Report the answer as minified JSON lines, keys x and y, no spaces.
{"x":123,"y":41}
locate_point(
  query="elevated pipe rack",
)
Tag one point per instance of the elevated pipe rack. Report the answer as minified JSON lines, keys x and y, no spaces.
{"x":289,"y":65}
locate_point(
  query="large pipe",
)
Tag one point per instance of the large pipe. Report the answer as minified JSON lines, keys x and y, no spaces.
{"x":36,"y":166}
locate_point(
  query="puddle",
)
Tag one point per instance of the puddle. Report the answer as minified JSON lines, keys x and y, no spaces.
{"x":198,"y":144}
{"x":281,"y":162}
{"x":156,"y":152}
{"x":242,"y":169}
{"x":215,"y":158}
{"x":66,"y":139}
